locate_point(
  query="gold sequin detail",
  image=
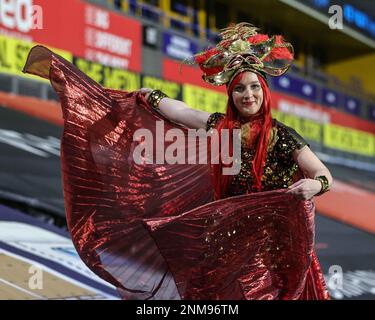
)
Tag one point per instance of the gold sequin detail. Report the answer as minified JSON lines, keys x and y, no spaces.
{"x":280,"y":168}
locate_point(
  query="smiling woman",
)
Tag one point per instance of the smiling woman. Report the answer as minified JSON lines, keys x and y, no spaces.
{"x":247,"y":95}
{"x":189,"y":231}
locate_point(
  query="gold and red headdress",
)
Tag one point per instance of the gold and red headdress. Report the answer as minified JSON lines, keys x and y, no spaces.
{"x":242,"y":48}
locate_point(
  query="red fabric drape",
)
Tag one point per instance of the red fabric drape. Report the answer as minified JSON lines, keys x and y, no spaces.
{"x":143,"y":227}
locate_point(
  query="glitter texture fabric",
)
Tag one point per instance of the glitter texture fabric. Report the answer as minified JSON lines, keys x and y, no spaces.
{"x":280,"y":170}
{"x":153,"y":230}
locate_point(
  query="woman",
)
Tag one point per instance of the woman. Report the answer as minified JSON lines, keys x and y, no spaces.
{"x":247,"y":104}
{"x":165,"y":230}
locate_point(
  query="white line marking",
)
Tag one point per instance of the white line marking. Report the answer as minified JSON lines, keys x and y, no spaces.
{"x":22,"y":289}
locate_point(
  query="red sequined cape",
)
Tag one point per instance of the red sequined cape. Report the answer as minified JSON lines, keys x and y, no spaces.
{"x":153,"y":230}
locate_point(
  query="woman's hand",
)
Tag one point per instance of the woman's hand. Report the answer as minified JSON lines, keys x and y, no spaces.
{"x":305,"y":189}
{"x":145,"y":91}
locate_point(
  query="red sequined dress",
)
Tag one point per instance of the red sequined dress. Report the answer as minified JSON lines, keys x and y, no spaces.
{"x":153,"y":230}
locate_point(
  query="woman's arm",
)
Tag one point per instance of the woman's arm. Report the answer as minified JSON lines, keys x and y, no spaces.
{"x":178,"y":112}
{"x":312,"y":167}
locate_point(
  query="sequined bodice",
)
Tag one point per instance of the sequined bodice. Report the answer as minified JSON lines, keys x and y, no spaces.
{"x":280,"y":170}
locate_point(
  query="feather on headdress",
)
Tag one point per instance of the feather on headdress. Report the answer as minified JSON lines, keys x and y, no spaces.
{"x":242,"y":48}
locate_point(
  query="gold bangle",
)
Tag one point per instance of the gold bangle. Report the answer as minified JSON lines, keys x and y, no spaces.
{"x":325,"y":185}
{"x":155,"y":98}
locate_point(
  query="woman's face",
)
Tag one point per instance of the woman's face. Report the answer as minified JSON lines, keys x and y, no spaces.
{"x":247,"y":95}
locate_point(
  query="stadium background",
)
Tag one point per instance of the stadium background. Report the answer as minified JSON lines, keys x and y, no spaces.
{"x":328,"y":96}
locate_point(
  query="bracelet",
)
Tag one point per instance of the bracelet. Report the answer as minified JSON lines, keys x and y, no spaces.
{"x":155,"y":98}
{"x":325,"y":185}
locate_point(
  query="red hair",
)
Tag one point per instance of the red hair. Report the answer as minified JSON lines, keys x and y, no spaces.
{"x":261,"y":129}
